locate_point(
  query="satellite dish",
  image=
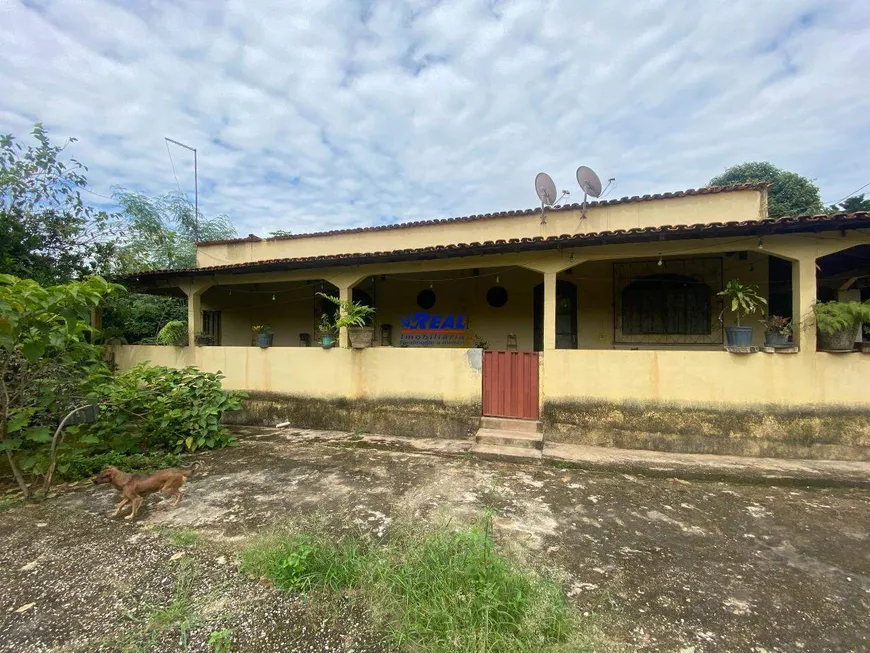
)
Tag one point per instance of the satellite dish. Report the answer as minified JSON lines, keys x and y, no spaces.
{"x":546,"y":189}
{"x":589,"y":181}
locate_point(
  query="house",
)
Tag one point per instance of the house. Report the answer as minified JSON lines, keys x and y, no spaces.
{"x":602,"y":322}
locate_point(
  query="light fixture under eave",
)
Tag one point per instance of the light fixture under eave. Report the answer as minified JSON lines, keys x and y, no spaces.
{"x":760,"y":243}
{"x":496,"y":278}
{"x":660,"y":263}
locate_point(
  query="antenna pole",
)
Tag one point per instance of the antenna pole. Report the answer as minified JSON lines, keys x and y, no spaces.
{"x":195,"y":199}
{"x":195,"y":185}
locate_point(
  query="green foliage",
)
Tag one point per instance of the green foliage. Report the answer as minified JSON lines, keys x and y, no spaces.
{"x":153,"y":407}
{"x":132,"y":317}
{"x":280,"y":233}
{"x":832,"y":317}
{"x":221,"y":641}
{"x":81,"y":464}
{"x":435,"y":591}
{"x":262,"y":330}
{"x":47,"y":364}
{"x":173,"y":334}
{"x":161,"y":232}
{"x":181,"y":537}
{"x":744,"y":298}
{"x":791,"y":194}
{"x":326,"y":326}
{"x":351,"y":313}
{"x":47,"y":233}
{"x":9,"y":504}
{"x":851,"y":205}
{"x":777,"y":324}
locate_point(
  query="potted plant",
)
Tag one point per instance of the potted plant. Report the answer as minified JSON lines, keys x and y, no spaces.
{"x":264,"y":336}
{"x":327,"y":332}
{"x":357,"y":317}
{"x":837,"y":323}
{"x":744,"y":301}
{"x":201,"y":338}
{"x":777,"y":330}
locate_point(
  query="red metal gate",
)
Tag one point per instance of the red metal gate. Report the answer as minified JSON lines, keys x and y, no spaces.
{"x":510,"y":384}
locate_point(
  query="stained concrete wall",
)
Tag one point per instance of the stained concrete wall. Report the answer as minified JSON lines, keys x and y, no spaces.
{"x":413,"y":392}
{"x":808,"y":405}
{"x":448,"y":375}
{"x":696,"y":209}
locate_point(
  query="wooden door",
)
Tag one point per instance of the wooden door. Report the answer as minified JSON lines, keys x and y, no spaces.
{"x":510,"y":384}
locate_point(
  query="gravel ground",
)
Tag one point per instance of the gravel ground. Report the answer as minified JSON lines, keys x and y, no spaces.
{"x":670,"y":565}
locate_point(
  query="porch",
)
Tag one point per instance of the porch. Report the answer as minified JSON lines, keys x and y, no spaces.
{"x":613,"y":366}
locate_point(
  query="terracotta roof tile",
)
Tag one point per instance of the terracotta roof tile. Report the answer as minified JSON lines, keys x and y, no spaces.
{"x":787,"y":224}
{"x":707,"y":190}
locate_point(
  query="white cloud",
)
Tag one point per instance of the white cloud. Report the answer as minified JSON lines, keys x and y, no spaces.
{"x":355,"y":112}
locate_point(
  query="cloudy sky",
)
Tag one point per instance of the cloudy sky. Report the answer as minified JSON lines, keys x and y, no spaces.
{"x":332,"y":113}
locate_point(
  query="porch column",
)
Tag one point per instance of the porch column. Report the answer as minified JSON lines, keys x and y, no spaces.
{"x":344,"y":294}
{"x":803,"y":284}
{"x":194,"y":293}
{"x":345,"y":283}
{"x":549,"y":325}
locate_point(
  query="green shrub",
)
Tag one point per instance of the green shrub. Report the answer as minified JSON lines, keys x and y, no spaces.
{"x":173,"y":334}
{"x":155,"y":407}
{"x":832,"y":317}
{"x":78,"y":466}
{"x":438,"y":591}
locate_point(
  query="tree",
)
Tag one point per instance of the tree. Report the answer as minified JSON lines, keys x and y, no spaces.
{"x":47,"y":364}
{"x":159,"y":233}
{"x":162,"y":232}
{"x":851,"y":205}
{"x":133,"y":318}
{"x":47,"y":232}
{"x":790,"y":194}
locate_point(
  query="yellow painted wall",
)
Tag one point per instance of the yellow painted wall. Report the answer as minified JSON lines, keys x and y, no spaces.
{"x":460,"y":292}
{"x":707,"y":378}
{"x":699,"y":209}
{"x":450,"y":375}
{"x":596,"y":300}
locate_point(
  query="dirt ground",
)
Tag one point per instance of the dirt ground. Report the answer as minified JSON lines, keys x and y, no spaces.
{"x":668,"y":564}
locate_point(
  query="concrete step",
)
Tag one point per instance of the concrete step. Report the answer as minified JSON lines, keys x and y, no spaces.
{"x":506,"y":454}
{"x":492,"y":437}
{"x":508,"y":424}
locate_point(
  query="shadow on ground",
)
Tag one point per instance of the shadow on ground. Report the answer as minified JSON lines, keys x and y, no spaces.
{"x":671,"y":565}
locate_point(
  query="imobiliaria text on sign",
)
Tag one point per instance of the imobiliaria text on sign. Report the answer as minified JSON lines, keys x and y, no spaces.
{"x":422,"y":329}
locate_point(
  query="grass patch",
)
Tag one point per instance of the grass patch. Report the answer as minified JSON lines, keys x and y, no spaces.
{"x":438,"y":590}
{"x":180,"y":614}
{"x":79,"y":467}
{"x":181,"y":537}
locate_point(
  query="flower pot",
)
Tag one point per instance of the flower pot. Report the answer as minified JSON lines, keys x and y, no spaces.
{"x":201,"y":341}
{"x":842,"y":340}
{"x":327,"y":340}
{"x":265,"y":339}
{"x":361,"y":337}
{"x":739,"y":336}
{"x":775,"y":339}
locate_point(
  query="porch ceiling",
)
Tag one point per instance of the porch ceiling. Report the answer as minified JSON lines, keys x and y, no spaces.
{"x":784,"y":225}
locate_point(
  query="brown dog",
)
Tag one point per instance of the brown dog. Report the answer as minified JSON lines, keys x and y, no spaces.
{"x":134,"y":487}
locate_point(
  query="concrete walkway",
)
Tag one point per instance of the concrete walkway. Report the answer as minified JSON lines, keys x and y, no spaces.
{"x":831,"y":473}
{"x":839,"y":473}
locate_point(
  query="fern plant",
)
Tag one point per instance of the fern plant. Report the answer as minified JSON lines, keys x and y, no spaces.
{"x":832,"y":317}
{"x":173,"y":334}
{"x":744,"y":298}
{"x":352,"y":314}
